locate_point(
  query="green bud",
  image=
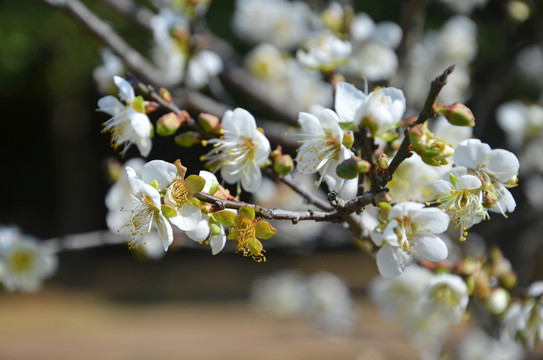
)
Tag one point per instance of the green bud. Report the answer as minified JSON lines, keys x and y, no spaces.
{"x":498,"y":301}
{"x":155,"y":184}
{"x":382,"y":160}
{"x":456,"y":114}
{"x":225,"y":217}
{"x":363,"y":166}
{"x":283,"y":164}
{"x":348,"y":169}
{"x":264,"y":230}
{"x":165,"y":94}
{"x":348,"y":140}
{"x":369,"y":122}
{"x":168,"y":124}
{"x":188,"y":139}
{"x":418,"y":135}
{"x":209,"y":123}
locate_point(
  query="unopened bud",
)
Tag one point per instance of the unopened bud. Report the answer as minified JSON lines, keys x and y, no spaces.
{"x":437,"y":154}
{"x":508,"y":281}
{"x":332,"y":20}
{"x":482,"y":287}
{"x":151,"y":107}
{"x":418,"y":135}
{"x":498,"y":301}
{"x":348,"y":169}
{"x":283,"y":164}
{"x":165,"y":94}
{"x":369,"y":122}
{"x":277,"y":152}
{"x":348,"y":140}
{"x":382,"y":160}
{"x":188,"y":139}
{"x":456,"y":114}
{"x":168,"y":124}
{"x":209,"y":123}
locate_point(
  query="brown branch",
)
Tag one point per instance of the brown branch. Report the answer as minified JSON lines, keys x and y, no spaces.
{"x":425,"y":114}
{"x":107,"y":36}
{"x":279,"y":214}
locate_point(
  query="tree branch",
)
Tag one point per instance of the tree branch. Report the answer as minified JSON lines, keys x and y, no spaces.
{"x":107,"y":36}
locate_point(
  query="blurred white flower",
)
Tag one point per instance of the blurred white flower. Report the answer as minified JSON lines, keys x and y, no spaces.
{"x":447,"y":295}
{"x":478,"y":345}
{"x":325,"y":52}
{"x":465,"y":6}
{"x":103,"y":74}
{"x":24,"y":263}
{"x":202,"y":67}
{"x":279,"y":22}
{"x":529,"y":62}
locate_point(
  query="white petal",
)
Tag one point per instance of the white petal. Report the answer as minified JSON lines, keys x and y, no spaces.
{"x":161,"y":171}
{"x":217,"y":242}
{"x":348,"y":98}
{"x":209,"y":178}
{"x":392,"y":261}
{"x":442,"y":187}
{"x":140,"y":122}
{"x":201,"y":231}
{"x":468,"y":182}
{"x":471,"y":153}
{"x":430,"y":247}
{"x":310,"y":124}
{"x":165,"y":231}
{"x":388,"y":33}
{"x":433,"y":219}
{"x":244,"y":123}
{"x":188,"y":218}
{"x":309,"y":158}
{"x":150,"y":192}
{"x":262,"y":148}
{"x":126,"y":92}
{"x":110,"y":105}
{"x":330,"y":124}
{"x":405,"y":209}
{"x":144,"y":146}
{"x":252,"y":177}
{"x":504,"y":164}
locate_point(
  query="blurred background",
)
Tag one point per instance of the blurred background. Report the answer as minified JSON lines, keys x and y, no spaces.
{"x":107,"y":303}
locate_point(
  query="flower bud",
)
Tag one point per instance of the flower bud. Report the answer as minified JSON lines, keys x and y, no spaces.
{"x":209,"y":123}
{"x":165,"y":94}
{"x":283,"y":164}
{"x":437,"y":154}
{"x":419,"y":136}
{"x":168,"y":124}
{"x":151,"y":106}
{"x":188,"y":139}
{"x":498,"y":301}
{"x":508,"y":281}
{"x":456,"y":114}
{"x":382,"y":160}
{"x":369,"y":122}
{"x":348,"y":169}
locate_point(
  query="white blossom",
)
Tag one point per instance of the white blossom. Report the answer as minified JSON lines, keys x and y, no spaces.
{"x":446,"y":294}
{"x":202,"y":67}
{"x":103,"y":74}
{"x":127,"y":126}
{"x":24,"y":263}
{"x":322,"y":147}
{"x":240,"y":152}
{"x":324,"y":52}
{"x":145,"y":213}
{"x":411,"y":230}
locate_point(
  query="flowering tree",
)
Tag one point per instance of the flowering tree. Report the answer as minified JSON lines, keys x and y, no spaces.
{"x":397,"y":163}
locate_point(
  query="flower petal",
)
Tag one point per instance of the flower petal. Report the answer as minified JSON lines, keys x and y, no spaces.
{"x":161,"y":171}
{"x":201,"y":231}
{"x":348,"y":98}
{"x":471,"y":153}
{"x":126,"y":92}
{"x":188,"y":218}
{"x":217,"y":242}
{"x":110,"y":105}
{"x":252,"y":177}
{"x":430,"y":247}
{"x":392,"y":261}
{"x":504,"y":164}
{"x":432,"y":219}
{"x":140,"y":123}
{"x":165,"y":231}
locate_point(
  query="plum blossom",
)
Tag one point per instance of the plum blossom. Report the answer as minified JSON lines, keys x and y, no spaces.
{"x":325,"y":52}
{"x":202,"y":67}
{"x":129,"y":124}
{"x":103,"y":74}
{"x":240,"y":152}
{"x":461,"y":198}
{"x":497,"y":170}
{"x":322,"y":147}
{"x":410,"y":231}
{"x":448,"y":295}
{"x":145,"y":213}
{"x":383,"y":107}
{"x":24,"y":263}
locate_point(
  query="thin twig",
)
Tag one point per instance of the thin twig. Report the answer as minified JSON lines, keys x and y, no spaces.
{"x":139,"y":15}
{"x":279,"y":214}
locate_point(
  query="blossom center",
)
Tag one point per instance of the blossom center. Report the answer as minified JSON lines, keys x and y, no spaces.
{"x":22,"y":260}
{"x":179,"y":193}
{"x":443,"y":295}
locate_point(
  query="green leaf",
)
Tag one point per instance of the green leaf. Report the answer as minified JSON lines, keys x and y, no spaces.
{"x":452,"y":179}
{"x":225,"y":217}
{"x":389,"y":136}
{"x":347,"y":126}
{"x":247,"y":213}
{"x":195,"y":183}
{"x":155,"y":184}
{"x":264,"y":230}
{"x":168,"y":211}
